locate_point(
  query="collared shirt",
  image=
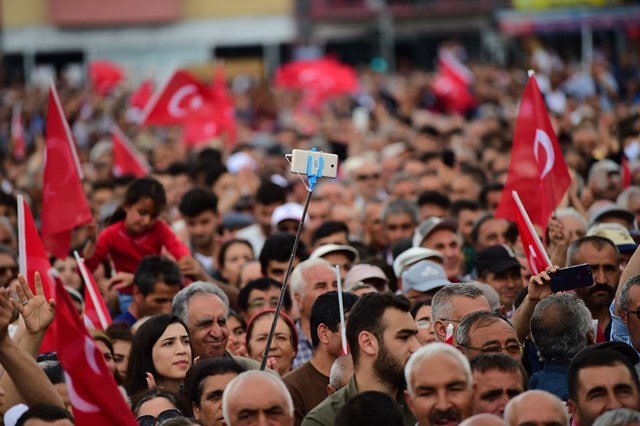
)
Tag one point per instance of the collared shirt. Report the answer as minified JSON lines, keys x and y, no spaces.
{"x":325,"y":414}
{"x":305,"y":348}
{"x":619,"y":331}
{"x":552,"y":378}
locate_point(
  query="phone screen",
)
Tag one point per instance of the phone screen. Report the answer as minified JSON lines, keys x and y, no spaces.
{"x":572,"y":277}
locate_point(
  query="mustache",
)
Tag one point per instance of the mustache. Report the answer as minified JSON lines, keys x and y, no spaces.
{"x":450,"y":414}
{"x":601,"y":287}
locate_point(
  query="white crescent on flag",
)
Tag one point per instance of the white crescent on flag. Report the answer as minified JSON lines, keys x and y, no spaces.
{"x":77,"y":401}
{"x":542,"y":139}
{"x":175,"y":108}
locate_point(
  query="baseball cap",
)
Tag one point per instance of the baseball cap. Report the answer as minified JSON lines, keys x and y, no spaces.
{"x":430,"y":225}
{"x":413,"y":255}
{"x":424,"y":276}
{"x":611,"y":211}
{"x":495,"y":259}
{"x":616,"y":233}
{"x":235,"y":220}
{"x":239,"y":161}
{"x":362,"y":272}
{"x":287,"y":211}
{"x":334,"y":248}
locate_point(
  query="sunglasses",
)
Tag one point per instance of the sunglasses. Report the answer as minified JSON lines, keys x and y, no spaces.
{"x":374,"y":176}
{"x":149,"y":420}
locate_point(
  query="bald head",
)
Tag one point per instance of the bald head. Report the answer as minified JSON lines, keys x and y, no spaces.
{"x":536,"y":407}
{"x":483,"y":420}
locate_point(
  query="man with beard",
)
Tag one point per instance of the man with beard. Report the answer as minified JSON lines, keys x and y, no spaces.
{"x":382,"y":336}
{"x":439,"y":385}
{"x":604,"y":258}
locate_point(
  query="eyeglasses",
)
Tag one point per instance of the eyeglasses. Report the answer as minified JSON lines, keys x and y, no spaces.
{"x":636,"y":313}
{"x":373,"y":176}
{"x":511,"y":348}
{"x":149,"y":420}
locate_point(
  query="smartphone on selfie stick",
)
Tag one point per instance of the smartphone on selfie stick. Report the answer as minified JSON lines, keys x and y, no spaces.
{"x":314,"y":164}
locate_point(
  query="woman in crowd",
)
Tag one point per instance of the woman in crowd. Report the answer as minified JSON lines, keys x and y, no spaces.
{"x":121,"y":337}
{"x":160,"y":355}
{"x":154,"y":406}
{"x":283,"y":346}
{"x":233,"y":254}
{"x":237,"y":344}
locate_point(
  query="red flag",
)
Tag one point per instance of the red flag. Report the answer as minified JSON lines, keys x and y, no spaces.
{"x":126,"y":159}
{"x":627,"y":178}
{"x":95,"y":309}
{"x":226,"y":118}
{"x":451,"y":84}
{"x":94,"y":395}
{"x":64,"y":205}
{"x":182,"y":98}
{"x":200,"y":130}
{"x":33,"y":257}
{"x":104,"y":76}
{"x":537,"y":169}
{"x":534,"y":251}
{"x":17,"y":133}
{"x":319,"y":79}
{"x":141,"y":95}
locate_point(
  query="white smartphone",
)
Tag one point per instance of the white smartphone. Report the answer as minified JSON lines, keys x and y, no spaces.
{"x":300,"y":161}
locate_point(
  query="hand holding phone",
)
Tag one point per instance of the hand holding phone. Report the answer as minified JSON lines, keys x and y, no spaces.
{"x":571,"y":277}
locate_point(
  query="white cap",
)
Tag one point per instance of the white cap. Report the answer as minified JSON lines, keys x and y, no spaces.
{"x":288,"y":211}
{"x":333,"y":248}
{"x":413,"y":255}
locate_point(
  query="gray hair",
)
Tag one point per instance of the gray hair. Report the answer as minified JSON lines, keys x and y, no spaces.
{"x":242,"y":377}
{"x":474,"y":320}
{"x":296,"y":281}
{"x":400,"y":207}
{"x":489,"y":293}
{"x":626,"y":196}
{"x":429,"y":351}
{"x":623,"y":300}
{"x":571,"y":212}
{"x":181,"y":300}
{"x":400,"y":177}
{"x":618,"y":417}
{"x":341,"y":371}
{"x":560,"y":325}
{"x":441,"y":304}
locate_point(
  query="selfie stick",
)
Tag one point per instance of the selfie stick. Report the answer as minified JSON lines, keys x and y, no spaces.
{"x":313,"y":178}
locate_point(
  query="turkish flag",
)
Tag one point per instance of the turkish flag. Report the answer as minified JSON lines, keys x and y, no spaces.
{"x":104,"y":76}
{"x":17,"y":133}
{"x":534,"y":251}
{"x":318,"y":79}
{"x":451,"y":84}
{"x":126,"y":159}
{"x":537,"y":169}
{"x":94,"y":395}
{"x":33,"y":257}
{"x":226,"y":114}
{"x":199,"y":130}
{"x":141,"y":95}
{"x":64,"y":204}
{"x":96,"y":313}
{"x":182,"y":98}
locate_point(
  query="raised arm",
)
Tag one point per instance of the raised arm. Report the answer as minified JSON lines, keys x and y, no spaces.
{"x":539,"y":287}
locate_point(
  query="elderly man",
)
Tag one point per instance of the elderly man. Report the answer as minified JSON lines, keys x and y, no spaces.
{"x":599,"y":381}
{"x":486,"y":332}
{"x":257,"y":397}
{"x":309,"y":280}
{"x":204,"y":308}
{"x":439,"y":385}
{"x":451,"y":303}
{"x":382,"y":336}
{"x":497,"y":378}
{"x":561,"y":327}
{"x":536,"y":408}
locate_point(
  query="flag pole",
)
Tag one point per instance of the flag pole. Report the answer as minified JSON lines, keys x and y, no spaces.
{"x":343,"y":328}
{"x":22,"y":241}
{"x":530,"y":227}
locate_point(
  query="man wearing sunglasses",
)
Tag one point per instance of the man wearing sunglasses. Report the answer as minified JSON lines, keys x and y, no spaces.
{"x":486,"y":333}
{"x":561,"y":327}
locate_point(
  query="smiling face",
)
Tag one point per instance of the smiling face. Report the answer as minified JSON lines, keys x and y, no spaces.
{"x":207,"y":325}
{"x":282,"y":351}
{"x":171,"y":354}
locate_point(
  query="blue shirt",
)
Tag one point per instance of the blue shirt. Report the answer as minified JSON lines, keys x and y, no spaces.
{"x":126,"y":317}
{"x":305,"y":348}
{"x":552,"y":378}
{"x":619,"y":331}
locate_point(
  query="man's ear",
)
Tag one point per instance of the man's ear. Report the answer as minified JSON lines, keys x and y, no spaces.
{"x":407,"y":398}
{"x":573,"y":411}
{"x":440,"y":330}
{"x":196,"y":411}
{"x":297,"y":299}
{"x":137,"y":296}
{"x":323,"y":333}
{"x":368,"y":343}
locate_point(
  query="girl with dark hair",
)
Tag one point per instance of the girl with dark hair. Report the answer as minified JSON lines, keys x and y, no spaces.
{"x":284,"y":345}
{"x":160,"y":355}
{"x":233,"y":254}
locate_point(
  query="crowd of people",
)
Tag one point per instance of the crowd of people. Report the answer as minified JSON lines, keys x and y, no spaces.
{"x":443,"y":322}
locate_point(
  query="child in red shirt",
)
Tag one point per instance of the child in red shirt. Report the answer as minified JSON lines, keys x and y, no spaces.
{"x":137,"y":232}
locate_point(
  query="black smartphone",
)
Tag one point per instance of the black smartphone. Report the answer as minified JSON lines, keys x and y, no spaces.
{"x":571,"y":277}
